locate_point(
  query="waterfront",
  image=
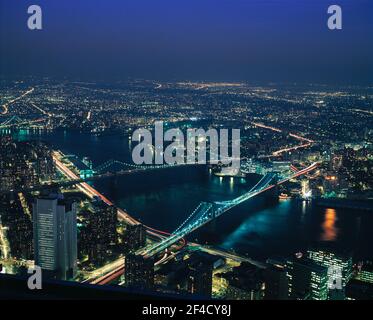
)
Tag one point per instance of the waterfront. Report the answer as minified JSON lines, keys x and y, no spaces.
{"x":260,"y":227}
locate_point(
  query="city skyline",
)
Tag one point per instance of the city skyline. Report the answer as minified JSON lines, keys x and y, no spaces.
{"x":313,"y":168}
{"x":214,"y":150}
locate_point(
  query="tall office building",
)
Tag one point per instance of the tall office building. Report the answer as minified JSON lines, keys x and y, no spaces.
{"x":365,"y":272}
{"x":199,"y":275}
{"x":55,"y":236}
{"x":106,"y":222}
{"x":276,"y":283}
{"x":134,"y":238}
{"x":245,"y":282}
{"x":307,"y":280}
{"x":138,"y":272}
{"x":359,"y":290}
{"x":101,"y":232}
{"x":306,"y":191}
{"x":192,"y":274}
{"x":339,"y":267}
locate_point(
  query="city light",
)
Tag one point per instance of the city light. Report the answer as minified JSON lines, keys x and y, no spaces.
{"x":200,"y":151}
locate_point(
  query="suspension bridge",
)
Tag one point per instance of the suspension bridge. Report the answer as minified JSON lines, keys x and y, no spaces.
{"x":17,"y":122}
{"x":108,"y":169}
{"x":104,"y":167}
{"x":204,"y":213}
{"x":208,"y":211}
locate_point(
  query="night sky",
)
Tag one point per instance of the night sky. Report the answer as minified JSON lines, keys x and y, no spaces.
{"x":222,"y":40}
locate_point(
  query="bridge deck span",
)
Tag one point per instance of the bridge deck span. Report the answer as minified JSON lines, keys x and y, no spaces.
{"x":205,"y":212}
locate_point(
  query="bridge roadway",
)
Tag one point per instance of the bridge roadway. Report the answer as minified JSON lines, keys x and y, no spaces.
{"x":116,"y":270}
{"x":75,"y":180}
{"x":91,"y":192}
{"x":19,"y":123}
{"x":122,"y":215}
{"x":206,"y":212}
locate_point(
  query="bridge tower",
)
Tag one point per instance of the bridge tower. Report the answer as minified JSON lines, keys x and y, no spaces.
{"x":274,"y":192}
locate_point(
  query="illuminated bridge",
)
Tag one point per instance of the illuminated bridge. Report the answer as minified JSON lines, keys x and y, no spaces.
{"x":109,"y":169}
{"x":130,"y":167}
{"x":116,"y":167}
{"x":15,"y":121}
{"x":207,"y":211}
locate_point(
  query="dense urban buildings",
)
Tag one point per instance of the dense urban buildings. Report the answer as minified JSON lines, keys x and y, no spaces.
{"x":74,"y":232}
{"x":276,"y":283}
{"x":139,"y":272}
{"x":259,"y":186}
{"x":134,"y":238}
{"x":307,"y":280}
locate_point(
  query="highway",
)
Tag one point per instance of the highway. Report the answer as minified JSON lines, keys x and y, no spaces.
{"x":4,"y":245}
{"x":111,"y":268}
{"x":118,"y":271}
{"x":88,"y":190}
{"x":84,"y":187}
{"x":278,"y":152}
{"x":115,"y":269}
{"x":308,"y":142}
{"x":106,"y":279}
{"x":91,"y":192}
{"x":75,"y":180}
{"x":6,"y":105}
{"x":260,"y":125}
{"x":99,"y":274}
{"x":227,"y":255}
{"x":41,"y":110}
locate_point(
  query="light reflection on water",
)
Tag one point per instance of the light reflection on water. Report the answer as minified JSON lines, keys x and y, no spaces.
{"x":257,"y":227}
{"x":330,"y":231}
{"x":260,"y":226}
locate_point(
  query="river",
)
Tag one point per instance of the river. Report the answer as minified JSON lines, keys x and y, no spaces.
{"x":259,"y":228}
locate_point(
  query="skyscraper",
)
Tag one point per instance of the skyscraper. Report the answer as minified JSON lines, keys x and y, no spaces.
{"x":134,"y":237}
{"x":101,"y":237}
{"x":339,"y":267}
{"x":276,"y":283}
{"x":307,"y":280}
{"x":106,"y":222}
{"x":139,"y":272}
{"x":199,"y":276}
{"x":199,"y":280}
{"x":365,"y":272}
{"x":55,"y":236}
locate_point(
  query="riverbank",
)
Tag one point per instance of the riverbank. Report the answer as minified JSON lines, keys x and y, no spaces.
{"x":363,"y":205}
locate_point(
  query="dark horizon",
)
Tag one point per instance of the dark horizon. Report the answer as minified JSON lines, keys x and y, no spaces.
{"x":130,"y":80}
{"x":251,"y":41}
